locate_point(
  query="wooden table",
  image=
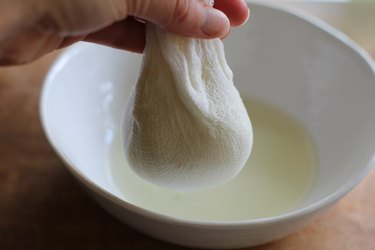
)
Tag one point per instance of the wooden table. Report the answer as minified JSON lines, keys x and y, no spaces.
{"x":42,"y":207}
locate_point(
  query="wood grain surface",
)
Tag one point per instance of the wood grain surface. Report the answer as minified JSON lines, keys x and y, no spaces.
{"x":42,"y":206}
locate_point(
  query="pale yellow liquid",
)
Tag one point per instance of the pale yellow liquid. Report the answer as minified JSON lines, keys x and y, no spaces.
{"x":276,"y":178}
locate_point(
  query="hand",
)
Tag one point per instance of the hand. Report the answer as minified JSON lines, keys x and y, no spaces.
{"x":30,"y":29}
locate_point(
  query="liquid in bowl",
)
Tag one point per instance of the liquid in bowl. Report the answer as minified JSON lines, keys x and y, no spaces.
{"x":278,"y":175}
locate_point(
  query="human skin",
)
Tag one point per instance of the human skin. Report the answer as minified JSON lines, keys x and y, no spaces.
{"x":30,"y":29}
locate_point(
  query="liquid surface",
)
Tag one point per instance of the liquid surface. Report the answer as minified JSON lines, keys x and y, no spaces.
{"x":278,"y":174}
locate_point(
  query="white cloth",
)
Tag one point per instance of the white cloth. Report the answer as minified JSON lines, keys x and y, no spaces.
{"x":186,"y":126}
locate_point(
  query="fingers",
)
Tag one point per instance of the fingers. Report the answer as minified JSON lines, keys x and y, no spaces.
{"x":184,"y":17}
{"x":236,"y":10}
{"x":128,"y":35}
{"x":59,"y":23}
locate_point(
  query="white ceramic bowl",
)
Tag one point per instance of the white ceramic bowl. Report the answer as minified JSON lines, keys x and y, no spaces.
{"x":281,"y":57}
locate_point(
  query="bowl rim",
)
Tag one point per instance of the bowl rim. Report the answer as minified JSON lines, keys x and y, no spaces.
{"x":346,"y":187}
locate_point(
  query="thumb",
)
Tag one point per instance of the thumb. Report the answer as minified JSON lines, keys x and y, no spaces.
{"x":185,"y":17}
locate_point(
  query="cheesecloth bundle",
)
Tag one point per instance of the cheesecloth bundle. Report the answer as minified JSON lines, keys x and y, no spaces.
{"x":186,"y":126}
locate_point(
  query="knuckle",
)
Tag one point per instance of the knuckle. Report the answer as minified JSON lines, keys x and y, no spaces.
{"x":47,"y":24}
{"x":56,"y":18}
{"x":181,"y":11}
{"x":119,"y":9}
{"x":138,"y":8}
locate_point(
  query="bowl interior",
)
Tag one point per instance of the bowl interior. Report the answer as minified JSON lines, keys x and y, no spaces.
{"x":278,"y":58}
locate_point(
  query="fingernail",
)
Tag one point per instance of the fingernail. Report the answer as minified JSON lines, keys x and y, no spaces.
{"x":216,"y":24}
